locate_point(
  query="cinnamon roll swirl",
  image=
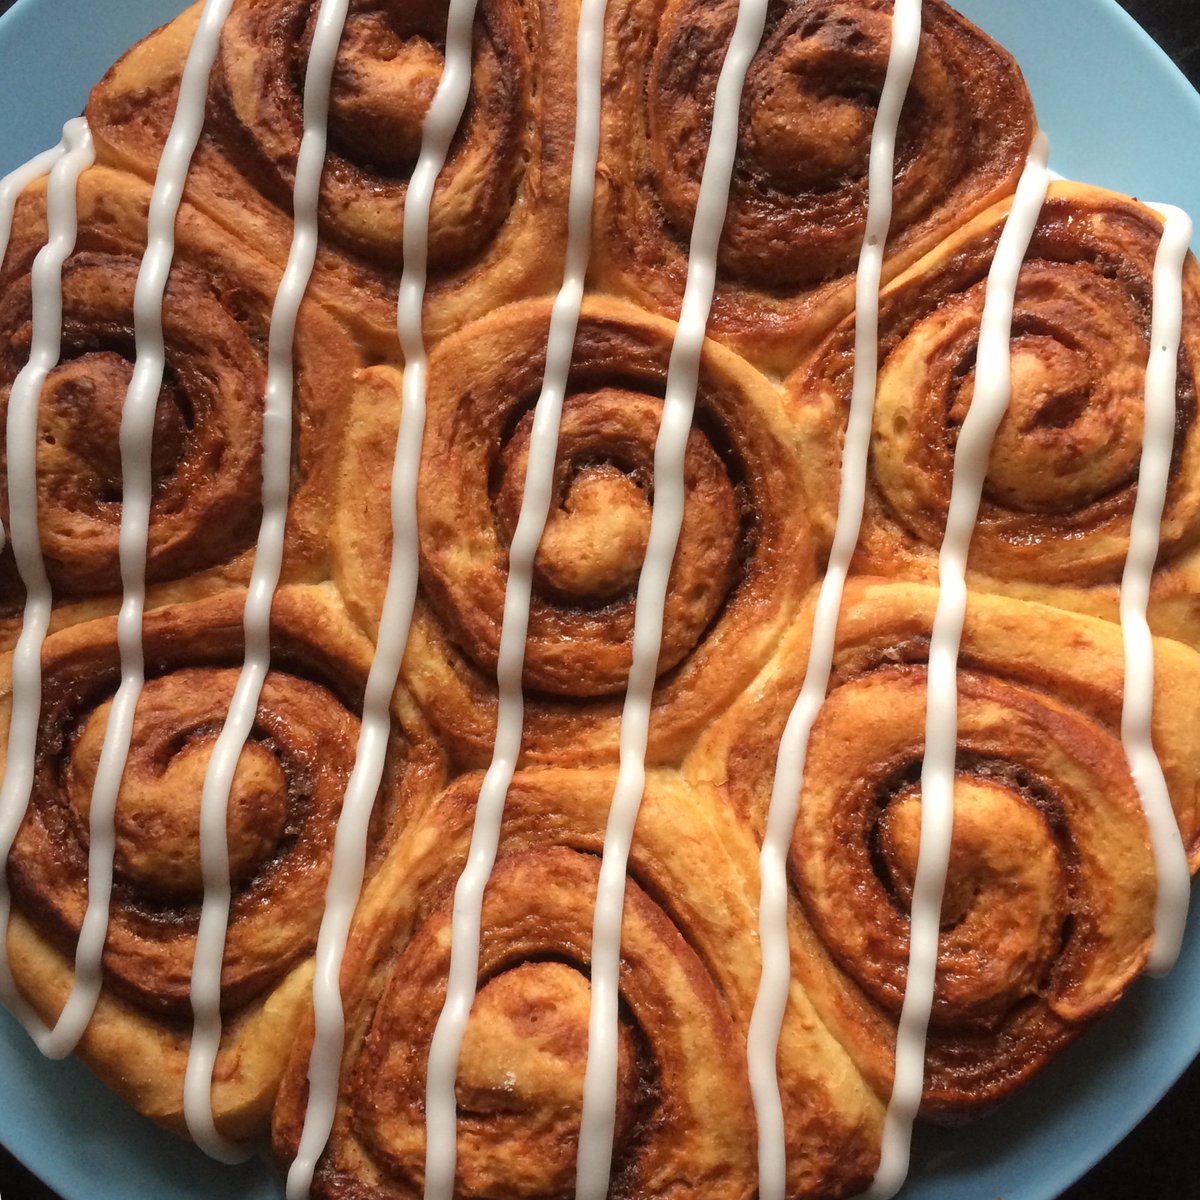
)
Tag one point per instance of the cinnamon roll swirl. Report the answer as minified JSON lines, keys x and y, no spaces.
{"x":798,"y":203}
{"x":1049,"y":903}
{"x":207,"y":444}
{"x":1062,"y":478}
{"x":499,"y":205}
{"x":283,"y":808}
{"x":689,"y":972}
{"x":744,"y":556}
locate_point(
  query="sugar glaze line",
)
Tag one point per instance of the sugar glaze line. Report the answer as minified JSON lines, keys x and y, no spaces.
{"x":67,"y":161}
{"x":349,"y":855}
{"x":598,"y":1118}
{"x":17,"y":180}
{"x":11,"y":186}
{"x":264,"y":579}
{"x":446,"y":1046}
{"x":766,"y":1022}
{"x":993,"y":389}
{"x":1158,"y":444}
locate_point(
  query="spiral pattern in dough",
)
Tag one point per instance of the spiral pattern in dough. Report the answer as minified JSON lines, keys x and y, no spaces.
{"x":207,"y":441}
{"x":498,"y":206}
{"x":743,"y":561}
{"x":1049,"y":903}
{"x":798,"y":203}
{"x":283,"y":808}
{"x":683,"y":1111}
{"x":1062,"y":478}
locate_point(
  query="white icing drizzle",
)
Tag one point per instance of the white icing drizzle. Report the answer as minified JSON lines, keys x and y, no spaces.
{"x":17,"y":180}
{"x":440,"y":1107}
{"x":67,"y":161}
{"x":349,"y":857}
{"x":1158,"y":441}
{"x":992,"y":393}
{"x":598,"y":1119}
{"x":264,"y":579}
{"x":11,"y":186}
{"x":771,"y":1002}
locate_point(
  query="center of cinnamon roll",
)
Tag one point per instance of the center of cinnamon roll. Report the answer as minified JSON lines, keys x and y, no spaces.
{"x":81,"y":407}
{"x":595,"y":540}
{"x":807,"y":138}
{"x":386,"y":74}
{"x":598,"y":526}
{"x":524,"y":1056}
{"x":995,"y":834}
{"x":1067,"y":438}
{"x":812,"y":105}
{"x":526,"y":1040}
{"x":1005,"y":890}
{"x":158,"y":805}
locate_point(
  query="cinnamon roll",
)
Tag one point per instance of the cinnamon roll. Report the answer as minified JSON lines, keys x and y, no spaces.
{"x":207,"y":444}
{"x":1062,"y":478}
{"x":283,"y":808}
{"x":1049,"y":904}
{"x":744,"y":556}
{"x":798,"y":202}
{"x":499,"y":206}
{"x":688,"y":978}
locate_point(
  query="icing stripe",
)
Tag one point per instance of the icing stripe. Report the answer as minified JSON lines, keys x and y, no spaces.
{"x":440,"y":1107}
{"x":264,"y":578}
{"x":346,"y":877}
{"x":600,"y":1079}
{"x":771,"y":1001}
{"x":17,"y":180}
{"x":1158,"y":443}
{"x":11,"y":186}
{"x":70,"y":159}
{"x":990,"y":402}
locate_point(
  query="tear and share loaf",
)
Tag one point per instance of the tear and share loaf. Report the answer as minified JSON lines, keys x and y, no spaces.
{"x":1049,"y":906}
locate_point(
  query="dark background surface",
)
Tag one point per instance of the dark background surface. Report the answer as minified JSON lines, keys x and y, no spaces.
{"x":1159,"y":1160}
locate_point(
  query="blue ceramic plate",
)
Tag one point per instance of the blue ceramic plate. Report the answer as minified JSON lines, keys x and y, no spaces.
{"x":1119,"y":114}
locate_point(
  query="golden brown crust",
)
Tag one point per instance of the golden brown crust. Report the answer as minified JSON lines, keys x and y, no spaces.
{"x":1049,"y":907}
{"x":797,"y":207}
{"x":1062,"y":479}
{"x":284,"y":803}
{"x":743,"y":562}
{"x":689,"y":976}
{"x":207,"y":445}
{"x":499,"y":207}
